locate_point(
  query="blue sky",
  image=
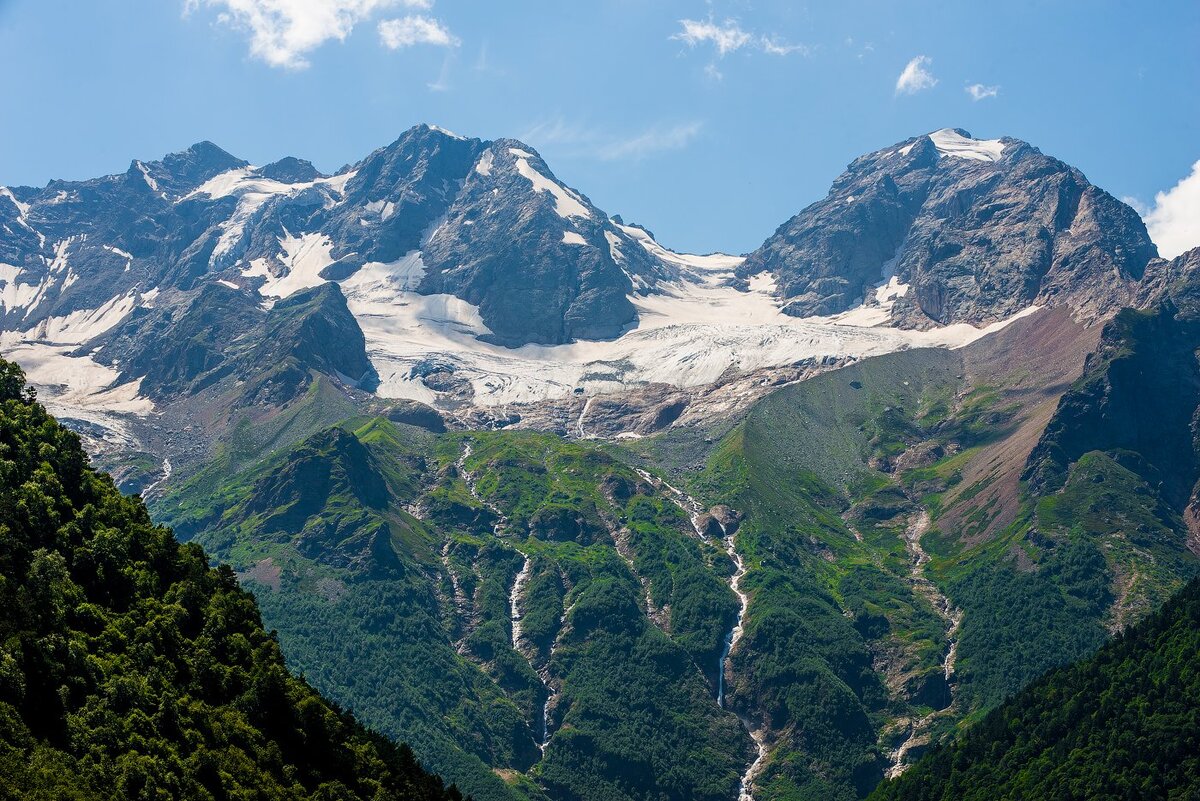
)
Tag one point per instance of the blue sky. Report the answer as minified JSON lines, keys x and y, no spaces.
{"x":709,"y":122}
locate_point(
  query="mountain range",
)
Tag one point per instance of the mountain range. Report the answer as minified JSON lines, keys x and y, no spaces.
{"x":577,"y":516}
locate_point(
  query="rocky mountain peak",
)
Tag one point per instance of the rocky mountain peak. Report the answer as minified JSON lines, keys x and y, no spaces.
{"x":176,"y":174}
{"x":967,"y":230}
{"x":291,"y":170}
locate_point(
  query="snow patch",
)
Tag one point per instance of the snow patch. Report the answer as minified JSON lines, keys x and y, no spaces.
{"x":303,"y":258}
{"x":713,"y":262}
{"x":484,"y":165}
{"x":566,"y":202}
{"x":572,"y":238}
{"x":83,"y":324}
{"x":229,"y":284}
{"x":450,"y":134}
{"x":13,"y":293}
{"x":951,"y":143}
{"x":384,"y":208}
{"x":147,"y":177}
{"x":252,"y":191}
{"x":76,"y":384}
{"x":22,"y":208}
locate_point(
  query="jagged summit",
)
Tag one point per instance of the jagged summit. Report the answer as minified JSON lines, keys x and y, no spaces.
{"x":471,"y":255}
{"x":969,"y":230}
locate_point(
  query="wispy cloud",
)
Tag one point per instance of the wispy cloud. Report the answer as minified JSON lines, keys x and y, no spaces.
{"x":726,"y":37}
{"x":778,"y":47}
{"x":442,"y":84}
{"x":1174,"y":221}
{"x":282,"y":33}
{"x":729,"y":36}
{"x":978,"y":91}
{"x":650,"y":141}
{"x":585,"y":141}
{"x":916,"y":76}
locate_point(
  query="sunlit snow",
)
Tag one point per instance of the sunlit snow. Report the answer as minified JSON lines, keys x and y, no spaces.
{"x":951,"y":143}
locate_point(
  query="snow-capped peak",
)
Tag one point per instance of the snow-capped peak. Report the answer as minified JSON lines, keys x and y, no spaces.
{"x":950,"y":142}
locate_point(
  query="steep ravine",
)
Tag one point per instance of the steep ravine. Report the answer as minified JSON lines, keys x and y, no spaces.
{"x":918,"y":559}
{"x":694,"y":509}
{"x":514,"y":600}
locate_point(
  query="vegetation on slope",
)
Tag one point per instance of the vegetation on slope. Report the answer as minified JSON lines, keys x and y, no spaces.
{"x":375,"y":551}
{"x":1124,"y":723}
{"x":131,"y":669}
{"x":847,"y":652}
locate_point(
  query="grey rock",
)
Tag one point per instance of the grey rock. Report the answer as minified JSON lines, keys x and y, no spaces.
{"x":976,"y":240}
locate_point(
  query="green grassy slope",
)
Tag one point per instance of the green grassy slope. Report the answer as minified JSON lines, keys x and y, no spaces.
{"x":846,"y":651}
{"x":907,"y":568}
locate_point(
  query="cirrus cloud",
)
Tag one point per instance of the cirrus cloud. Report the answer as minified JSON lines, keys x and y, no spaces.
{"x":580,"y":140}
{"x":729,"y":36}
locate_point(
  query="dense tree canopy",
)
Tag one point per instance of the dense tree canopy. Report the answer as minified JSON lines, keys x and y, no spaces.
{"x":131,"y":669}
{"x":1123,"y":724}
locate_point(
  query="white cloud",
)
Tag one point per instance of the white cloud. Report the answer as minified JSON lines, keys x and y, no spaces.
{"x":726,"y":37}
{"x":587,"y":142}
{"x":978,"y":91}
{"x":778,"y":47}
{"x":916,"y":77}
{"x":415,"y":29}
{"x":1174,"y":222}
{"x":283,"y":32}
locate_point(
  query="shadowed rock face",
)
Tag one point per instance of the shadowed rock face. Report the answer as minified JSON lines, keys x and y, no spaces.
{"x":535,"y":258}
{"x":978,"y":230}
{"x":182,"y":348}
{"x":1139,"y":396}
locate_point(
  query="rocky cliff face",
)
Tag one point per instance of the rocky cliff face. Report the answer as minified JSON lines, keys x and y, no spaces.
{"x":541,"y":262}
{"x":957,"y":230}
{"x":496,"y":228}
{"x":1139,"y":397}
{"x":217,"y":333}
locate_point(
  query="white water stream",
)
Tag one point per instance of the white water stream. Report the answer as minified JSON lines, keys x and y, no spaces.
{"x":953,"y":617}
{"x":514,"y":596}
{"x":582,"y":414}
{"x":694,"y":509}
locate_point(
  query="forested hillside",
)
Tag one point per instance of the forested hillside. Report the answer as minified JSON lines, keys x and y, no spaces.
{"x":1124,"y":723}
{"x":131,"y":669}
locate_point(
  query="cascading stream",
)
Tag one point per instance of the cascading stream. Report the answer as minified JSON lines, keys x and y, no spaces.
{"x":918,"y":558}
{"x":514,"y":600}
{"x":514,"y":596}
{"x":694,"y":509}
{"x":582,"y":414}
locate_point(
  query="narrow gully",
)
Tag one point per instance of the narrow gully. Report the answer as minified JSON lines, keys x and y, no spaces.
{"x":694,"y":509}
